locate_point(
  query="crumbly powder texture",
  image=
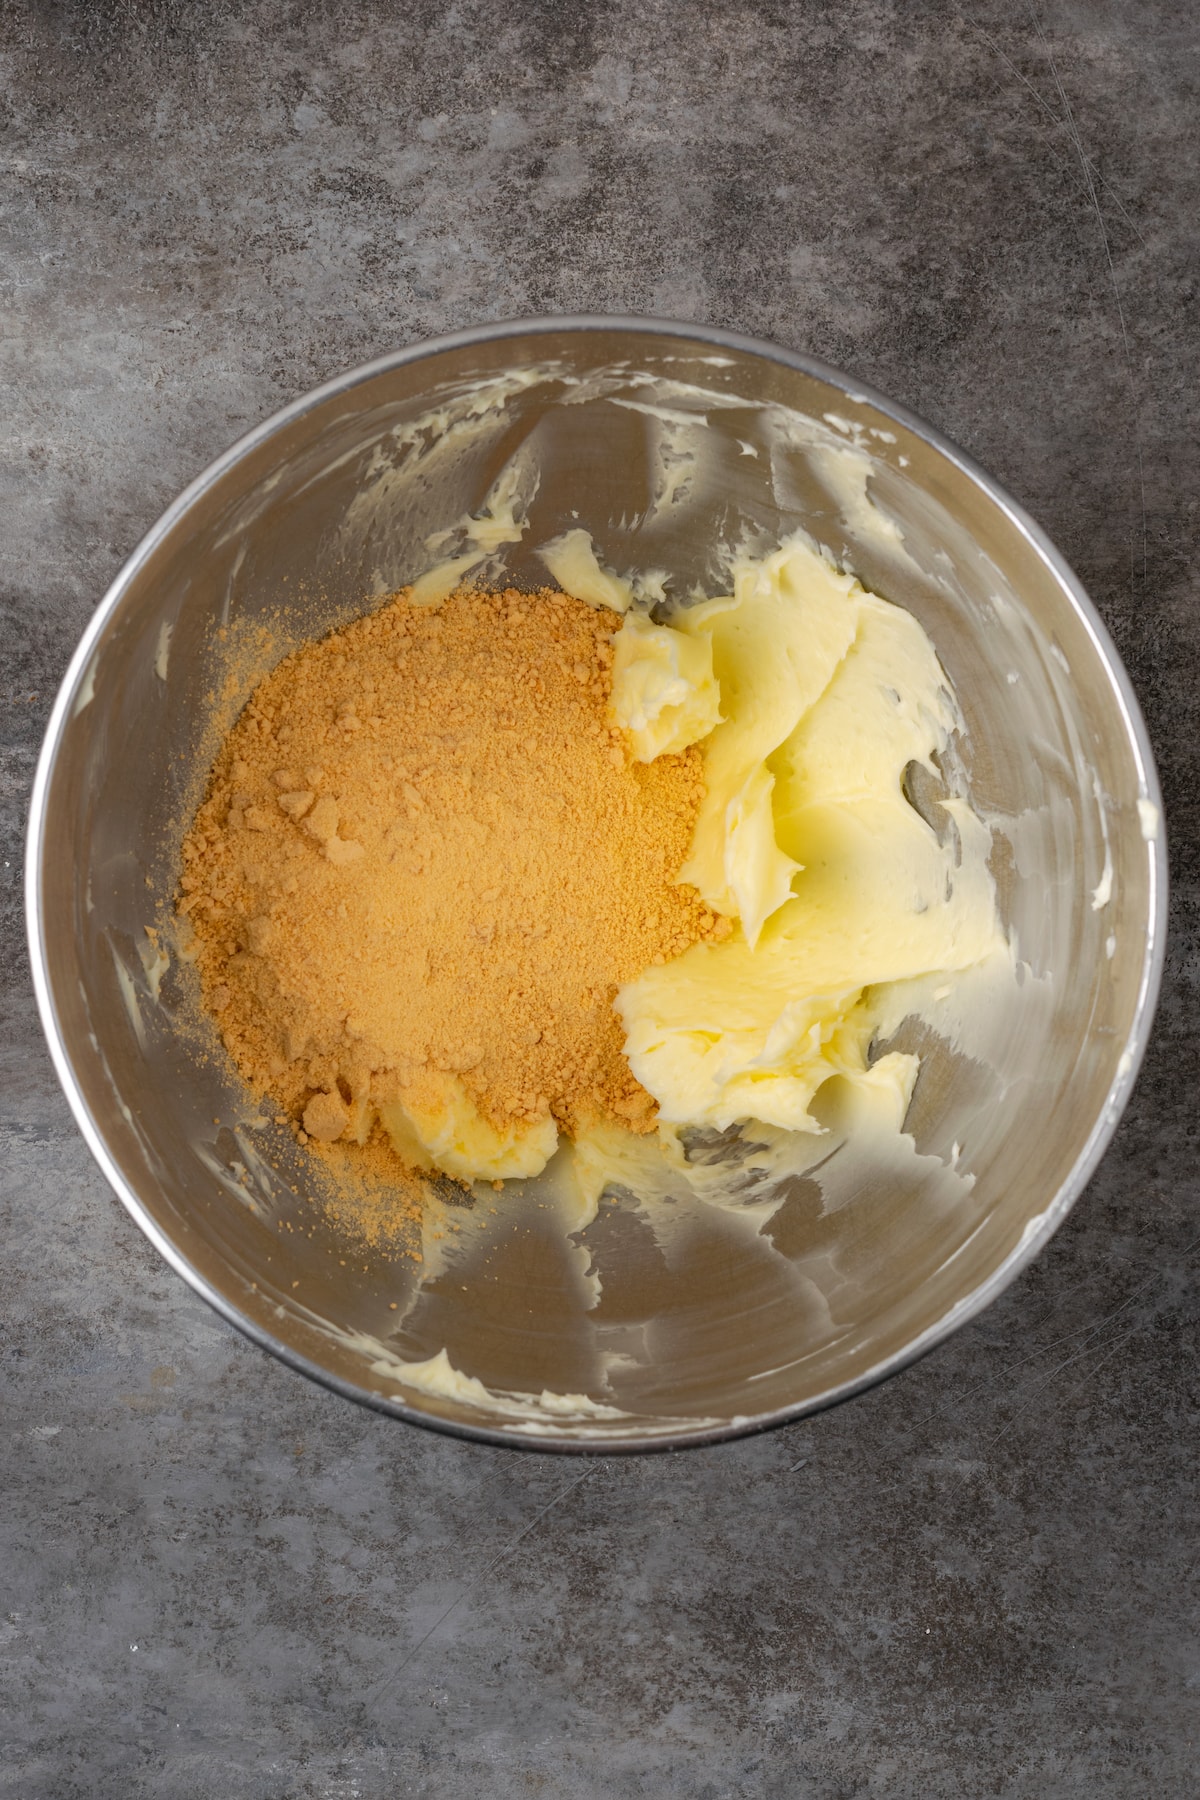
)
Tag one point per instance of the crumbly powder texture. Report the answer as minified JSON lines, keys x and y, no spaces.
{"x":425,"y":848}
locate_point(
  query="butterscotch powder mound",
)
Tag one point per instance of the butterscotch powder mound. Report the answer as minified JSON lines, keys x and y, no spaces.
{"x":425,"y":849}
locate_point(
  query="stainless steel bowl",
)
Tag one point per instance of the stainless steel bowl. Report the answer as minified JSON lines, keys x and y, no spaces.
{"x":663,"y":440}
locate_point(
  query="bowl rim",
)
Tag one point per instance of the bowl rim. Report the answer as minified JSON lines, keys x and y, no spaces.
{"x":1039,"y":1229}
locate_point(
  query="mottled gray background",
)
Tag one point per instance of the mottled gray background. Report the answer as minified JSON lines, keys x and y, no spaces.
{"x":981,"y":1579}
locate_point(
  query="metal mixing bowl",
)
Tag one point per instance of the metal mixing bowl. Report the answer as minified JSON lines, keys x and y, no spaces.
{"x":665,"y":441}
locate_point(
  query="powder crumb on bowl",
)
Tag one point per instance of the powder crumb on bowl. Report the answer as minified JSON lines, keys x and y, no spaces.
{"x":423,"y":867}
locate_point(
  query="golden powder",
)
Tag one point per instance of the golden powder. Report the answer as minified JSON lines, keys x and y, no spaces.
{"x":425,"y":851}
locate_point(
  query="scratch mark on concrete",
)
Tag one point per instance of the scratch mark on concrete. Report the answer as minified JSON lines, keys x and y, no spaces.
{"x":1056,"y":119}
{"x":1085,"y":164}
{"x":1052,"y":1377}
{"x":506,"y":1551}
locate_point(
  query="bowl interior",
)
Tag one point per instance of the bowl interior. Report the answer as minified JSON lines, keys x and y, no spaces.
{"x":679,"y":1322}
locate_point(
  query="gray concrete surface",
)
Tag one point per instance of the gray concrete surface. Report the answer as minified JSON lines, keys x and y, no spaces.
{"x":216,"y":1581}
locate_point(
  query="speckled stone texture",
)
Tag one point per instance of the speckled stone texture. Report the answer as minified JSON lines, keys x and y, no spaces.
{"x":980,"y":1580}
